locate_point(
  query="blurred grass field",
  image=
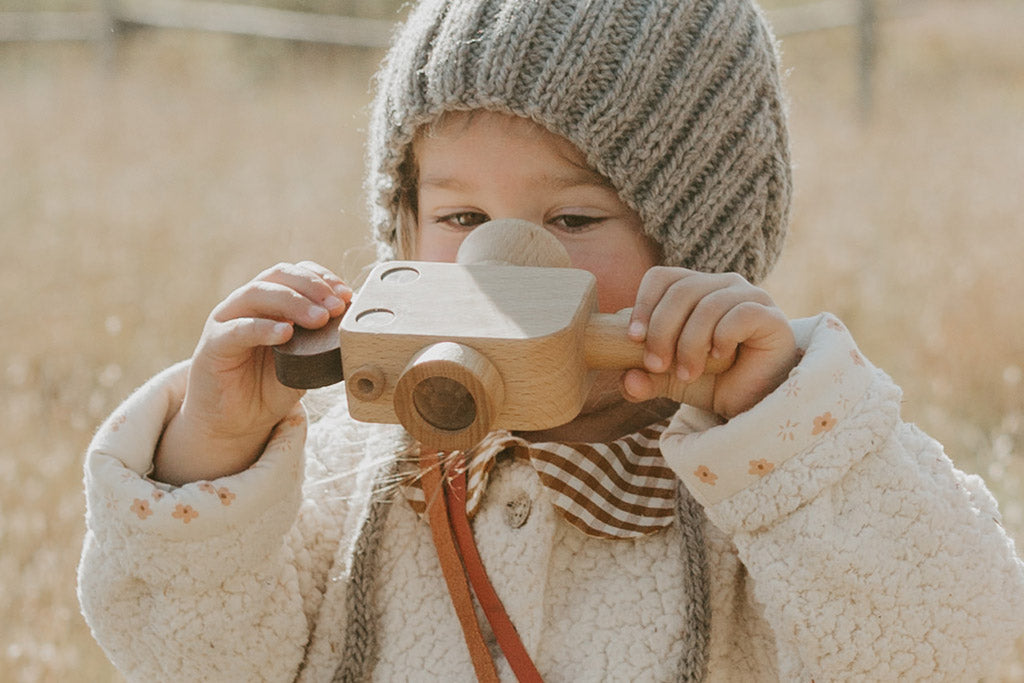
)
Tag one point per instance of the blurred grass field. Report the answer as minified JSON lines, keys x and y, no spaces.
{"x":136,"y":194}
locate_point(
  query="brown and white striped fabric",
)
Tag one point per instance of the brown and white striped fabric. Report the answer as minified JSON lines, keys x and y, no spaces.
{"x":621,"y":489}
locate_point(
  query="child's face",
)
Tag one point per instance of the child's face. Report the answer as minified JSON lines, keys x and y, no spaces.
{"x":487,"y":166}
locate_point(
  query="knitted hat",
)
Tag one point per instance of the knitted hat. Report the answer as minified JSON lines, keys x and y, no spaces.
{"x":677,"y":102}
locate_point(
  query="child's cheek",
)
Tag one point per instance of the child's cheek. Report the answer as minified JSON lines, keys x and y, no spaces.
{"x":435,"y":244}
{"x":615,"y":300}
{"x":619,"y":262}
{"x":617,"y":285}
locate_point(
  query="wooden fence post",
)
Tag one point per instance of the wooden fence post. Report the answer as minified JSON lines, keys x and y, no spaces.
{"x":867,"y":18}
{"x":110,"y":26}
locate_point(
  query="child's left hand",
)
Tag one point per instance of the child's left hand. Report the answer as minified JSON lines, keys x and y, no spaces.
{"x":686,"y":318}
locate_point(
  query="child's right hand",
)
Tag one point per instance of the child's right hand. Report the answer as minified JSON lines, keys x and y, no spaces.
{"x":233,"y":398}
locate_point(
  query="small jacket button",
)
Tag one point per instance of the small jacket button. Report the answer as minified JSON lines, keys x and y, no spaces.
{"x":517,"y":510}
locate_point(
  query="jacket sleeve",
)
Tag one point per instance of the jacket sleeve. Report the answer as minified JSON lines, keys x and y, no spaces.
{"x":873,"y":556}
{"x":207,"y":581}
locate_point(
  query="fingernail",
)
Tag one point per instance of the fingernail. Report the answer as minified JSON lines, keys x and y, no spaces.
{"x":653,"y":362}
{"x":342,"y":290}
{"x":637,"y":330}
{"x":316,"y":311}
{"x":281,"y":329}
{"x":332,"y":302}
{"x":683,"y":374}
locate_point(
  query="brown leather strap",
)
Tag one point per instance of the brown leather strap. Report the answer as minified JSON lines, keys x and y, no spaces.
{"x":504,"y":630}
{"x":451,"y":567}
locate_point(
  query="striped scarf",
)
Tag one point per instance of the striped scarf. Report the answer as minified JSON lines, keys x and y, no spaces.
{"x":621,"y":489}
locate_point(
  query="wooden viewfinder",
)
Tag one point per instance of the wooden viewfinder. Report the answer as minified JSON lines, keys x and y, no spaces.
{"x":454,"y":350}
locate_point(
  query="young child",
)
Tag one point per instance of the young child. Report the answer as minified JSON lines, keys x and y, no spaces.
{"x":792,"y":528}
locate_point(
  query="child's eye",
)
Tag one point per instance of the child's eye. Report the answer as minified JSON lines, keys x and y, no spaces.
{"x":464,"y":219}
{"x":575,"y":222}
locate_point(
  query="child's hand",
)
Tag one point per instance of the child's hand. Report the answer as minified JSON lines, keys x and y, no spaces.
{"x":233,"y":398}
{"x":688,"y":317}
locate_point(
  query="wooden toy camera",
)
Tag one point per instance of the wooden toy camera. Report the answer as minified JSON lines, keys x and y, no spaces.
{"x":454,"y":350}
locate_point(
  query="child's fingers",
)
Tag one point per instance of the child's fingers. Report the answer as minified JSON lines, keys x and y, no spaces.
{"x":229,"y":345}
{"x":768,"y":354}
{"x":311,"y":280}
{"x":655,"y":283}
{"x":699,"y":339}
{"x":339,"y":286}
{"x":673,"y":312}
{"x":637,"y":386}
{"x":240,"y":335}
{"x":756,"y":326}
{"x":262,"y":299}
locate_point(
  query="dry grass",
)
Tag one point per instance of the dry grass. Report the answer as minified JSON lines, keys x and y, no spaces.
{"x":132,"y":199}
{"x":911,"y":226}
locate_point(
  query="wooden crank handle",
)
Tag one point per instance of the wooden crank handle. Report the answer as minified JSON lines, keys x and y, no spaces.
{"x":311,"y":358}
{"x":607,"y":346}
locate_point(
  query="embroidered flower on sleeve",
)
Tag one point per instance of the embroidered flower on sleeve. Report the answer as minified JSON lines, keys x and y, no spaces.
{"x":186,"y":513}
{"x":834,"y":324}
{"x":207,"y":487}
{"x":792,"y":388}
{"x":823,"y":423}
{"x":157,"y":494}
{"x":115,"y":424}
{"x":141,"y":508}
{"x":705,"y":475}
{"x":760,"y":467}
{"x":786,"y":431}
{"x":857,"y":358}
{"x":225,"y":495}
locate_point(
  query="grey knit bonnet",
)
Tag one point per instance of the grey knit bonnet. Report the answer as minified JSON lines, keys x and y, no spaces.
{"x":677,"y":102}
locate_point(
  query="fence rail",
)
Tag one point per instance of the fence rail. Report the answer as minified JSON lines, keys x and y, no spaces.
{"x":195,"y":15}
{"x":104,"y":25}
{"x":308,"y":27}
{"x":816,"y":16}
{"x":43,"y":26}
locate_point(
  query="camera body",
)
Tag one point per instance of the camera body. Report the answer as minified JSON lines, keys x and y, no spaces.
{"x":453,"y":351}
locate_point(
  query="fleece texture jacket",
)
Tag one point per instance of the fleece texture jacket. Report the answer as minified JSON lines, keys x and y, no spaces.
{"x":838,"y":543}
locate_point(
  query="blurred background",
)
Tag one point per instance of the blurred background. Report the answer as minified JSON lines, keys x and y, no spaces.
{"x":148,"y":168}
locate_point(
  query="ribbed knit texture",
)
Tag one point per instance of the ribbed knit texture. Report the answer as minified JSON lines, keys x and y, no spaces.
{"x":691,"y":519}
{"x":360,"y":627}
{"x":677,"y":102}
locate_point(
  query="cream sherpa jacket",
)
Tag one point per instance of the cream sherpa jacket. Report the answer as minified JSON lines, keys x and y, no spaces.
{"x":839,"y":543}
